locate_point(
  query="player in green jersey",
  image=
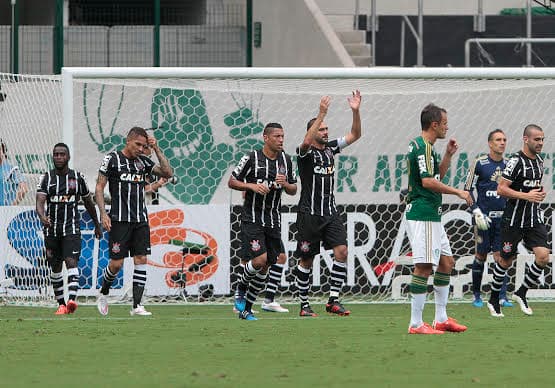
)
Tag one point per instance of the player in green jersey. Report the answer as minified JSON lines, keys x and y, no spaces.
{"x":431,"y":251}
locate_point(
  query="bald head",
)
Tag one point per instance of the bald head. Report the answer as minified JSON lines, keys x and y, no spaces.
{"x":528,"y":130}
{"x":533,"y":138}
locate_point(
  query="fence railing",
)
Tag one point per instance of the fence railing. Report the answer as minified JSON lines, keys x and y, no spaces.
{"x":219,"y":41}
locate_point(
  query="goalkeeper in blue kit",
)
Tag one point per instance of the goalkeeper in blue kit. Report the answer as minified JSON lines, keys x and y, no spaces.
{"x":484,"y":177}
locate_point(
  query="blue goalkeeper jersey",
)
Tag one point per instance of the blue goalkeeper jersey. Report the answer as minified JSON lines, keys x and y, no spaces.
{"x":484,"y":177}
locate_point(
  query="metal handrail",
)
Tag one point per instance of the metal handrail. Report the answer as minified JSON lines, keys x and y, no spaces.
{"x":500,"y":41}
{"x":406,"y":21}
{"x":419,"y":36}
{"x":357,"y":12}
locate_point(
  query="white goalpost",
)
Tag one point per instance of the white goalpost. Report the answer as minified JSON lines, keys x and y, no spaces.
{"x":205,"y":119}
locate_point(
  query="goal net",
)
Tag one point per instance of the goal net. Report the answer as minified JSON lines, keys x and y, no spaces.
{"x":205,"y":119}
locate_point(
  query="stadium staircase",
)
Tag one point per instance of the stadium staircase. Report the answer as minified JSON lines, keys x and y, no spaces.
{"x":342,"y":21}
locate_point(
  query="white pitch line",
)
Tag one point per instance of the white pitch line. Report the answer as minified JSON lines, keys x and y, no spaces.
{"x":65,"y":319}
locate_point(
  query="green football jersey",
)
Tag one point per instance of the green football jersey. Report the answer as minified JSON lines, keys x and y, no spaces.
{"x":422,"y":162}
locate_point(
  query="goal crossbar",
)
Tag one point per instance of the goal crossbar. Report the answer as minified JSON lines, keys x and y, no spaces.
{"x":71,"y":73}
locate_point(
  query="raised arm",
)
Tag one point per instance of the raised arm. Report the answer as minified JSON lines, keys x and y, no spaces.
{"x":313,"y":130}
{"x":452,"y":147}
{"x":354,"y":103}
{"x":101,"y":182}
{"x":164,"y":169}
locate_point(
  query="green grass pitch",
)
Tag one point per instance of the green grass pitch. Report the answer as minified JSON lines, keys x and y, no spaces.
{"x":207,"y":346}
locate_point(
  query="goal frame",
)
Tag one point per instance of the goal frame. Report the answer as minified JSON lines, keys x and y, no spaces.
{"x":69,"y":74}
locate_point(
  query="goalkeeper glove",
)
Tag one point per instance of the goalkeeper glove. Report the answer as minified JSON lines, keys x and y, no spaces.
{"x":482,"y":222}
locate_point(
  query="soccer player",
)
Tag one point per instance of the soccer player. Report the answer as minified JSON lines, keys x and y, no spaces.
{"x":272,"y":283}
{"x":521,"y":184}
{"x":126,"y":172}
{"x":317,"y":217}
{"x":12,"y":183}
{"x":429,"y":243}
{"x":263,"y":174}
{"x":61,"y":189}
{"x":483,"y":176}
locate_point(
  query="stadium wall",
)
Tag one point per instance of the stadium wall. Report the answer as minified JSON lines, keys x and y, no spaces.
{"x":296,"y":33}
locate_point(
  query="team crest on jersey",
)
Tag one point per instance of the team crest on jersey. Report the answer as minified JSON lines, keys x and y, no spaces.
{"x":139,"y":165}
{"x":305,"y":246}
{"x":255,"y":245}
{"x":71,"y":184}
{"x":507,"y":247}
{"x":116,"y":248}
{"x":328,"y":153}
{"x":49,"y":253}
{"x":496,"y":175}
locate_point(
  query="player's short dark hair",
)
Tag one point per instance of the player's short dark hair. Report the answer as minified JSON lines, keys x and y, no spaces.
{"x":270,"y":126}
{"x":137,"y":131}
{"x":497,"y":130}
{"x":529,"y":127}
{"x":430,"y":114}
{"x":310,"y":122}
{"x":3,"y":146}
{"x":61,"y":145}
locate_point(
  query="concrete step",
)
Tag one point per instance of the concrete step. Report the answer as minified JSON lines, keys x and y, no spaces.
{"x":341,"y":22}
{"x":358,"y":49}
{"x":339,"y":6}
{"x":361,"y":60}
{"x":351,"y":36}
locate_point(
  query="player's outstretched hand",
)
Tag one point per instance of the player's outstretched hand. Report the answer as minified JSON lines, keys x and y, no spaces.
{"x":482,"y":222}
{"x":452,"y":146}
{"x":354,"y":100}
{"x":325,"y":104}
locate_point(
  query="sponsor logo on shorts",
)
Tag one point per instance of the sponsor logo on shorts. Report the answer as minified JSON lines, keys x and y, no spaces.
{"x":305,"y":246}
{"x":255,"y":245}
{"x":116,"y":248}
{"x":507,"y":247}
